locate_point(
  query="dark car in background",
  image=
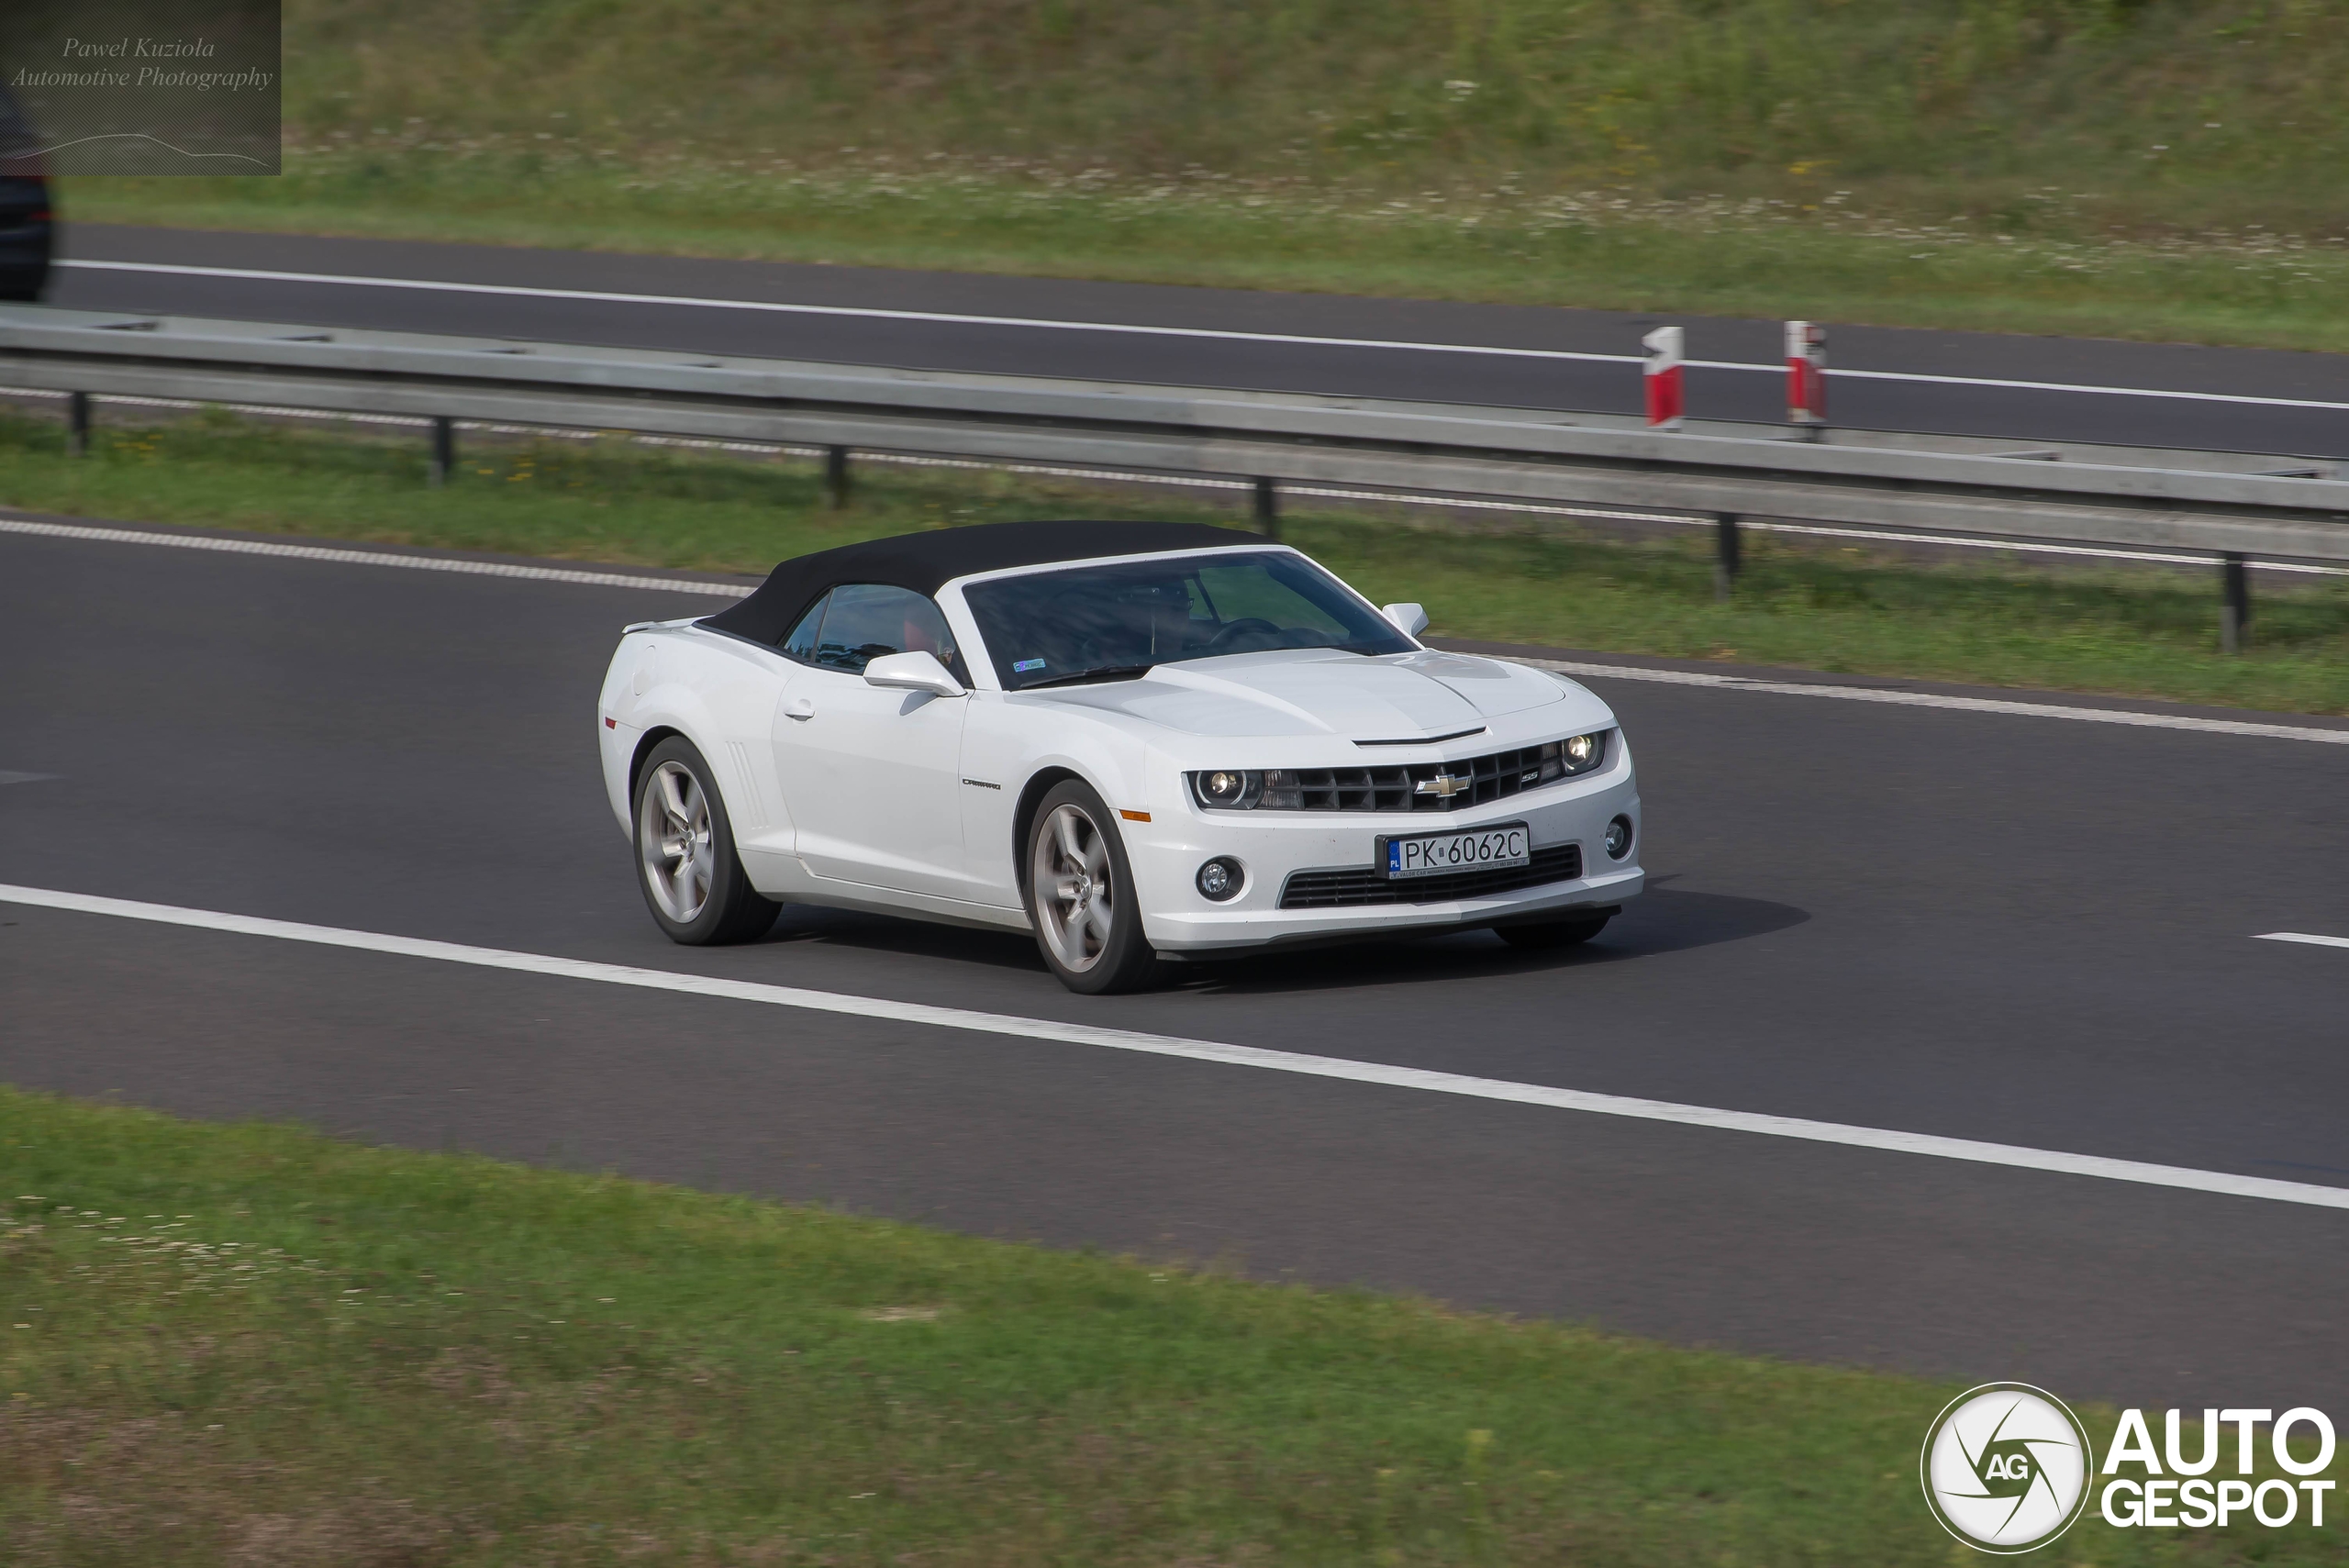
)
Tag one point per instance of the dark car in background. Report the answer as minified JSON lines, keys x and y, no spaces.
{"x":27,"y":222}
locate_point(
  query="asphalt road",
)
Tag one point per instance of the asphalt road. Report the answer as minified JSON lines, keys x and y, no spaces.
{"x":665,"y":313}
{"x":2024,"y":930}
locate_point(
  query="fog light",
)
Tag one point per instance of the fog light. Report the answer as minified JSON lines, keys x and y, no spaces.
{"x":1618,"y":838}
{"x":1220,"y":879}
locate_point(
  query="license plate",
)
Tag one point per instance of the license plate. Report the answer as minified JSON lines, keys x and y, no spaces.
{"x":1433,"y":854}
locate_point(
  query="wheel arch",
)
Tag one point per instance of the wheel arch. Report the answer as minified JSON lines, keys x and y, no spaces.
{"x":644,"y":744}
{"x":1023,"y":816}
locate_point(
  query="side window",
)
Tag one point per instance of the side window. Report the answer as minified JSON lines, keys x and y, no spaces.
{"x":862,"y":621}
{"x":801,"y":643}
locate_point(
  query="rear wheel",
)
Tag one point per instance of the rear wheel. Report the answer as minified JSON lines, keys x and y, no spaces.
{"x":692,"y":879}
{"x":1554,"y":933}
{"x":1081,"y":895}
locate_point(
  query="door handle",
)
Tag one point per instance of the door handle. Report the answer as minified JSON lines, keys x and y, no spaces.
{"x":800,"y":707}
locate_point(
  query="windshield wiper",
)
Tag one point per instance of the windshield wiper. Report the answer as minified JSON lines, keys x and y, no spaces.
{"x":1100,"y":672}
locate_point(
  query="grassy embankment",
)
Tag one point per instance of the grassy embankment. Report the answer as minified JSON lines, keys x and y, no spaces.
{"x":2161,"y":169}
{"x":249,"y":1345}
{"x":2002,"y":623}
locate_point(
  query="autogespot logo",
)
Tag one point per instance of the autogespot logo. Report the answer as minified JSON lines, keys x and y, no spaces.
{"x":2007,"y":1467}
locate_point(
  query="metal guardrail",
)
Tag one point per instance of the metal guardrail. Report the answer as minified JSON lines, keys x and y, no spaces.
{"x":2231,"y":505}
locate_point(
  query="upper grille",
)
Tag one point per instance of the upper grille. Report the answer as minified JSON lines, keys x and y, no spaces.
{"x":1492,"y":777}
{"x":1337,"y":889}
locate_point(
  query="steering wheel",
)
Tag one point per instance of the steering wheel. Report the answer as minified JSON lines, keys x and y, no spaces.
{"x":1238,"y":629}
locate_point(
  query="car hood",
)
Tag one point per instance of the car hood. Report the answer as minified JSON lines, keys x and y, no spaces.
{"x":1412,"y":697}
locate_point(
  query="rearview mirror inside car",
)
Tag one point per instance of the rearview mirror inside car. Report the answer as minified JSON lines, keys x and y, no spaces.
{"x":915,"y":671}
{"x":1409,"y":620}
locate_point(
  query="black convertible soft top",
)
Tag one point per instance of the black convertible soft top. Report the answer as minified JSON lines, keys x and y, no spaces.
{"x":927,"y":561}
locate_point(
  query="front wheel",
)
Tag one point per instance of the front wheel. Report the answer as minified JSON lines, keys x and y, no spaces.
{"x":693,"y":880}
{"x":1081,"y":895}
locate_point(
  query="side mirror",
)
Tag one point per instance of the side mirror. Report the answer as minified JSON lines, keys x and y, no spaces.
{"x":1409,"y":620}
{"x":915,"y":671}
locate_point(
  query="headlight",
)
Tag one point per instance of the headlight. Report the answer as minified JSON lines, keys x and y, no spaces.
{"x":1227,"y":789}
{"x":1230,"y":789}
{"x":1575,"y":754}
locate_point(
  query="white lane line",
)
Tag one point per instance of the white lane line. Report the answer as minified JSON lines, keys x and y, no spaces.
{"x":371,"y":558}
{"x":1931,"y":699}
{"x":608,"y":296}
{"x":1422,"y":1079}
{"x":1564,"y":666}
{"x":944,"y":318}
{"x":2311,"y":939}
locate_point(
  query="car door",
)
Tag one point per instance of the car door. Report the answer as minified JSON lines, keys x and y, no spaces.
{"x":871,"y":775}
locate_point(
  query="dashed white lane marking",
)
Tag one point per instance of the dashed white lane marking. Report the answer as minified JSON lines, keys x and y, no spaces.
{"x":371,"y":558}
{"x":1564,"y":666}
{"x":607,"y":297}
{"x":1933,"y":699}
{"x":1375,"y":1073}
{"x":2311,"y":939}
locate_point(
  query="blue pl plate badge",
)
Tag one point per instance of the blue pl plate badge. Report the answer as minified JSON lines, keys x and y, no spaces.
{"x":1022,"y":666}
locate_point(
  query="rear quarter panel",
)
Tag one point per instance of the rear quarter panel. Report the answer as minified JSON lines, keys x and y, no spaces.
{"x":720,"y":695}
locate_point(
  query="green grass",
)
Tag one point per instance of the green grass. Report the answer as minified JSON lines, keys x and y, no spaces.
{"x":248,"y":1344}
{"x":1994,"y":621}
{"x":2133,"y":168}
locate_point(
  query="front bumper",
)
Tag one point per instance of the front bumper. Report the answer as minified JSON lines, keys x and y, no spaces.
{"x":1273,"y":846}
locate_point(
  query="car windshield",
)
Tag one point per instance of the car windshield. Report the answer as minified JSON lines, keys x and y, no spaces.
{"x":1103,"y":622}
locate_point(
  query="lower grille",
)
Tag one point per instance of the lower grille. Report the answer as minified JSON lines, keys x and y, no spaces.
{"x":1339,"y":889}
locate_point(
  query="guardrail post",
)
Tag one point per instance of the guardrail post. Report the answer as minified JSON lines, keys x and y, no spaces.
{"x":2234,"y":612}
{"x":837,"y":483}
{"x":1268,"y":509}
{"x":77,"y":423}
{"x":1725,"y":554}
{"x":444,"y":452}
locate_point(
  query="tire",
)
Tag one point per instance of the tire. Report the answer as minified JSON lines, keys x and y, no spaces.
{"x":1552,"y":934}
{"x":1081,"y":897}
{"x":686,"y":868}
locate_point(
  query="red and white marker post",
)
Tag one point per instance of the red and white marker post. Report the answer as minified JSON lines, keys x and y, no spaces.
{"x":1807,"y":375}
{"x":1663,"y":372}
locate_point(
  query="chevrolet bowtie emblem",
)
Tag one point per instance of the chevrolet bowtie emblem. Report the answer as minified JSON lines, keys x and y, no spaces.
{"x":1444,"y":787}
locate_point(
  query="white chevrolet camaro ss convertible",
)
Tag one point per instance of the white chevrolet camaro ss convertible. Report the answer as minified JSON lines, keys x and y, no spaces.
{"x":1139,"y":740}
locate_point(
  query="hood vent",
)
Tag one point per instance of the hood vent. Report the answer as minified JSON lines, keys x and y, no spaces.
{"x":1425,"y":739}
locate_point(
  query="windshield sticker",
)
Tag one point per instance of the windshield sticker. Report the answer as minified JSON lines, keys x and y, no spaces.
{"x":1022,"y":666}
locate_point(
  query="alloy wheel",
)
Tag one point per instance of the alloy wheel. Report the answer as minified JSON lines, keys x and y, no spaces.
{"x":672,"y":840}
{"x":1071,"y":888}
